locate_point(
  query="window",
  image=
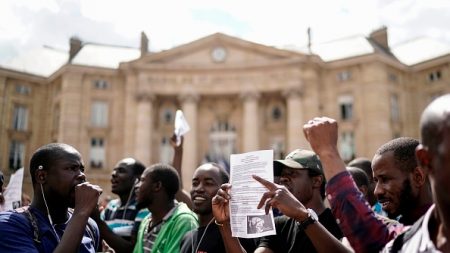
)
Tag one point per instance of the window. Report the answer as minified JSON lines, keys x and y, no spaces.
{"x":101,"y":84}
{"x":97,"y":153}
{"x":168,"y":116}
{"x":347,"y":146}
{"x":56,"y":118}
{"x":392,"y":77}
{"x":16,"y":155}
{"x":22,"y":89}
{"x":395,"y":111}
{"x":278,"y":148}
{"x":166,"y":151}
{"x":434,"y":76}
{"x":99,"y":114}
{"x":344,"y":76}
{"x":346,"y":107}
{"x":276,"y":113}
{"x":20,"y":118}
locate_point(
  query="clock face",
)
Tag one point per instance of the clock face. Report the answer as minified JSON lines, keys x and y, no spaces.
{"x":219,"y":54}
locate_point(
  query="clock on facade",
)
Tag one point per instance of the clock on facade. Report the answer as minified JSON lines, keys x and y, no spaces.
{"x":219,"y":54}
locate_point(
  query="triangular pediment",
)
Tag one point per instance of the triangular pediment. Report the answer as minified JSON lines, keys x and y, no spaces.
{"x":217,"y":50}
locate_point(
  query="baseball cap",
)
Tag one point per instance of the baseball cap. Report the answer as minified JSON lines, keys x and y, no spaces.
{"x":299,"y":159}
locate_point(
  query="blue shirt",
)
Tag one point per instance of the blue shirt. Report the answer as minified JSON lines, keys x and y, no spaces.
{"x":16,"y":233}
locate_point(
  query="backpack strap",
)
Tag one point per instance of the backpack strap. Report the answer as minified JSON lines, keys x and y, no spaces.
{"x":25,"y":210}
{"x":405,"y":236}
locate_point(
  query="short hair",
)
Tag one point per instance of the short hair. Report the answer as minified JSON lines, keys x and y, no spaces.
{"x":45,"y":156}
{"x":138,"y":168}
{"x":404,"y":149}
{"x":168,"y":176}
{"x":359,"y":176}
{"x":223,"y":173}
{"x":365,"y":164}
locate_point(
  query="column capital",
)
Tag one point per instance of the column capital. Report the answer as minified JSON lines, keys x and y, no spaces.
{"x":189,"y":97}
{"x":294,"y":89}
{"x":249,"y":95}
{"x":145,"y":97}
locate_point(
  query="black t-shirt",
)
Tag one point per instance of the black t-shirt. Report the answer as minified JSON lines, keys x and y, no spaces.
{"x":290,"y":236}
{"x":212,"y":241}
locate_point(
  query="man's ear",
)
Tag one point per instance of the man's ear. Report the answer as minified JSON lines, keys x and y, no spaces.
{"x":40,"y":176}
{"x":157,"y":186}
{"x":419,"y":176}
{"x":423,"y":156}
{"x":317,"y":181}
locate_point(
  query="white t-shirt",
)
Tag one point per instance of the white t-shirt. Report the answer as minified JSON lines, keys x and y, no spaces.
{"x":420,"y":241}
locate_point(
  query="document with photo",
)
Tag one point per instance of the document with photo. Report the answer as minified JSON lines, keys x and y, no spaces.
{"x":246,"y":220}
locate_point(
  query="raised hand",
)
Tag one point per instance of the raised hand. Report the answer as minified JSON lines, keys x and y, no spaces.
{"x":280,"y":197}
{"x":86,"y":197}
{"x":322,"y":134}
{"x":220,"y":204}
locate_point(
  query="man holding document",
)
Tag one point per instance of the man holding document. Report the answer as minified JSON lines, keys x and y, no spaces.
{"x":306,"y":226}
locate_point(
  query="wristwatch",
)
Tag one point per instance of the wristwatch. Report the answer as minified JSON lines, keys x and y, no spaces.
{"x":311,"y":219}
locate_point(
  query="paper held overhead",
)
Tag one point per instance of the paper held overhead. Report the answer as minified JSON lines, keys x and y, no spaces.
{"x":181,"y":126}
{"x":13,"y":192}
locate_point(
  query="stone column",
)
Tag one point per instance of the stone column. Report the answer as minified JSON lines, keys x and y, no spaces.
{"x":144,"y":128}
{"x":250,"y":133}
{"x":295,"y":121}
{"x":190,"y":146}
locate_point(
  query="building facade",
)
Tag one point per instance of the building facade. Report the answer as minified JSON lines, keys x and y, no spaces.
{"x":237,"y":96}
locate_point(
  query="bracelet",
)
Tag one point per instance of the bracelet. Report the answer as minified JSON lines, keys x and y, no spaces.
{"x":217,"y":223}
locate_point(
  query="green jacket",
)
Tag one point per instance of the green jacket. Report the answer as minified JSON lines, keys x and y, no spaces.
{"x":172,"y":231}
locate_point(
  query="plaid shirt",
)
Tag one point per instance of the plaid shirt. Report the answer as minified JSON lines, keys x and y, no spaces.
{"x":366,"y":231}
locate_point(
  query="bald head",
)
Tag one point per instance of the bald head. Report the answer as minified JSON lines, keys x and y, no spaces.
{"x":435,"y":118}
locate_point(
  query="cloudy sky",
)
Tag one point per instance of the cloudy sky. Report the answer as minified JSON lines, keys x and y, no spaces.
{"x":25,"y":24}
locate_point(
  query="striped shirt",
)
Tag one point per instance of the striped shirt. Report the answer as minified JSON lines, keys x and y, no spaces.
{"x":123,"y":220}
{"x":151,"y":232}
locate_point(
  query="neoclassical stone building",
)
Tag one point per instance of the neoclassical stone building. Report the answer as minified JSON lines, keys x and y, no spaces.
{"x":112,"y":102}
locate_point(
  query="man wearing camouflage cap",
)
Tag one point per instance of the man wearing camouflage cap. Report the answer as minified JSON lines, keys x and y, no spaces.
{"x":304,"y":225}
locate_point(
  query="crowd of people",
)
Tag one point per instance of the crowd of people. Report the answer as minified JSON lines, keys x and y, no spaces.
{"x":397,"y":202}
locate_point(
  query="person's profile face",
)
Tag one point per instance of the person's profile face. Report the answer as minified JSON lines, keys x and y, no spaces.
{"x":122,"y":178}
{"x":64,"y":173}
{"x":143,"y":190}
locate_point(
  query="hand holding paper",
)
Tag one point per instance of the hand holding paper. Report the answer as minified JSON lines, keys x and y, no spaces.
{"x":220,"y":204}
{"x":181,"y":126}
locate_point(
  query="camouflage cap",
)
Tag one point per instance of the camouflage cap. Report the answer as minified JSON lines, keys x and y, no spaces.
{"x":299,"y":159}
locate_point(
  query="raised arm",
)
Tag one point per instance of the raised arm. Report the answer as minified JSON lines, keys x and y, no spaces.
{"x":86,"y":198}
{"x":181,"y":195}
{"x":365,"y":232}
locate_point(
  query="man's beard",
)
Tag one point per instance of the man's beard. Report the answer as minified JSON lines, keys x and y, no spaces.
{"x":406,"y":201}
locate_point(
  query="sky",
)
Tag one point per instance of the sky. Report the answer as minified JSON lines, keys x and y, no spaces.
{"x":27,"y":24}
